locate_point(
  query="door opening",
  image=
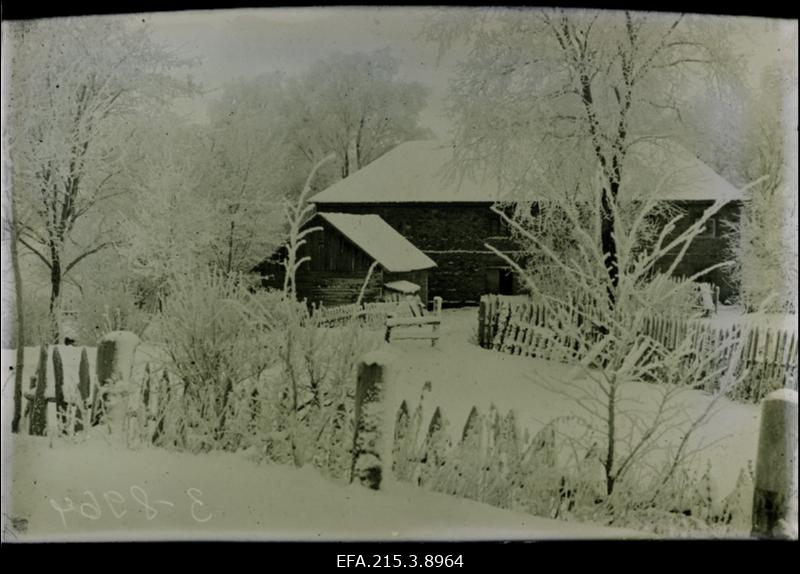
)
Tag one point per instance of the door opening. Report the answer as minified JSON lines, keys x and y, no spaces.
{"x":506,"y":282}
{"x":499,"y":281}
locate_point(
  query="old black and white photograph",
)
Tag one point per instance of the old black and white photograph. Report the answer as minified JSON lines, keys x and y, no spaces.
{"x":399,"y":274}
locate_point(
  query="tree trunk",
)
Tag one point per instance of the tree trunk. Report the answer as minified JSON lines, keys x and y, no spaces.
{"x":358,"y":145}
{"x":607,"y":241}
{"x":611,"y":437}
{"x":346,"y":164}
{"x":20,"y":332}
{"x":55,"y":295}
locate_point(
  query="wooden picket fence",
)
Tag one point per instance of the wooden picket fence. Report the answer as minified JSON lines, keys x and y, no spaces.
{"x":767,"y":357}
{"x":372,"y":314}
{"x":525,"y":328}
{"x":492,"y":460}
{"x":338,"y":314}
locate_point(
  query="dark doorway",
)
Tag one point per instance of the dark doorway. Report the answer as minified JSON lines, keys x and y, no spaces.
{"x":506,"y":282}
{"x":499,"y":281}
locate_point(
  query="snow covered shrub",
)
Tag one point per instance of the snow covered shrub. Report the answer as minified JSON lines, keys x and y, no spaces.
{"x":549,"y":222}
{"x":764,"y":245}
{"x":764,"y":240}
{"x":251,"y":369}
{"x":557,"y":473}
{"x":663,"y":295}
{"x":103,"y":308}
{"x":213,"y":348}
{"x":686,"y":505}
{"x":314,"y":389}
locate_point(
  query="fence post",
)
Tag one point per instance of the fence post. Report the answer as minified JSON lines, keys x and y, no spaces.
{"x":38,"y":420}
{"x":373,"y":435}
{"x":115,"y":357}
{"x":84,"y":389}
{"x":482,"y":323}
{"x":58,"y":379}
{"x":775,"y":493}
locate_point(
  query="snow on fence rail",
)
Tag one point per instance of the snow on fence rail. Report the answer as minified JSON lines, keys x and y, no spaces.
{"x":373,"y":314}
{"x":768,"y":355}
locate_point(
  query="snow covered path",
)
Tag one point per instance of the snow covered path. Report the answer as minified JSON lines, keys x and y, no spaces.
{"x":157,"y":494}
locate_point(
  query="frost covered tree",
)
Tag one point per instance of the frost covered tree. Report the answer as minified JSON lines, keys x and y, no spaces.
{"x":74,"y":85}
{"x":765,"y":240}
{"x":250,"y":169}
{"x":577,"y":90}
{"x":614,"y":354}
{"x":575,"y":114}
{"x":353,"y":105}
{"x":169,"y":229}
{"x":267,"y":132}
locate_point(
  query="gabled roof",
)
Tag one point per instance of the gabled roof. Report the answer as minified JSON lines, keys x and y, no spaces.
{"x":411,"y":172}
{"x":380,"y":241}
{"x":415,"y":171}
{"x":685,"y":177}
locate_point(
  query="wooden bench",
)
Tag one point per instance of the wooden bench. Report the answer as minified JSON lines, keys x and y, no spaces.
{"x":418,"y":319}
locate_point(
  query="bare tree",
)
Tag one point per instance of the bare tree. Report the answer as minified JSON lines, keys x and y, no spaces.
{"x":249,"y":170}
{"x":74,"y":86}
{"x":612,"y":348}
{"x":169,"y":226}
{"x":576,"y":89}
{"x":354,"y":106}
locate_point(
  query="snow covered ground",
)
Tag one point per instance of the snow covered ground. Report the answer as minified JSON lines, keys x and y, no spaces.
{"x":462,"y":375}
{"x":273,"y":502}
{"x":728,"y":316}
{"x":92,"y":490}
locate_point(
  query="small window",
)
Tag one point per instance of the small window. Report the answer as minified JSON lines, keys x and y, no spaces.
{"x":710,"y":229}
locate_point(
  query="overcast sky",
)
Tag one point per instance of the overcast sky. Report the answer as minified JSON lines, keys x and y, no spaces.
{"x":247,"y":43}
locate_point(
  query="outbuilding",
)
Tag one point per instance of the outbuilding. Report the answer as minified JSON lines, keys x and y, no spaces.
{"x":341,"y":254}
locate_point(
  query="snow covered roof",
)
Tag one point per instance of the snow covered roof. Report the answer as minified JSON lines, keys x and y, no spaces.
{"x":685,"y":177}
{"x":411,"y":172}
{"x":380,"y":241}
{"x":415,"y":171}
{"x":402,"y":286}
